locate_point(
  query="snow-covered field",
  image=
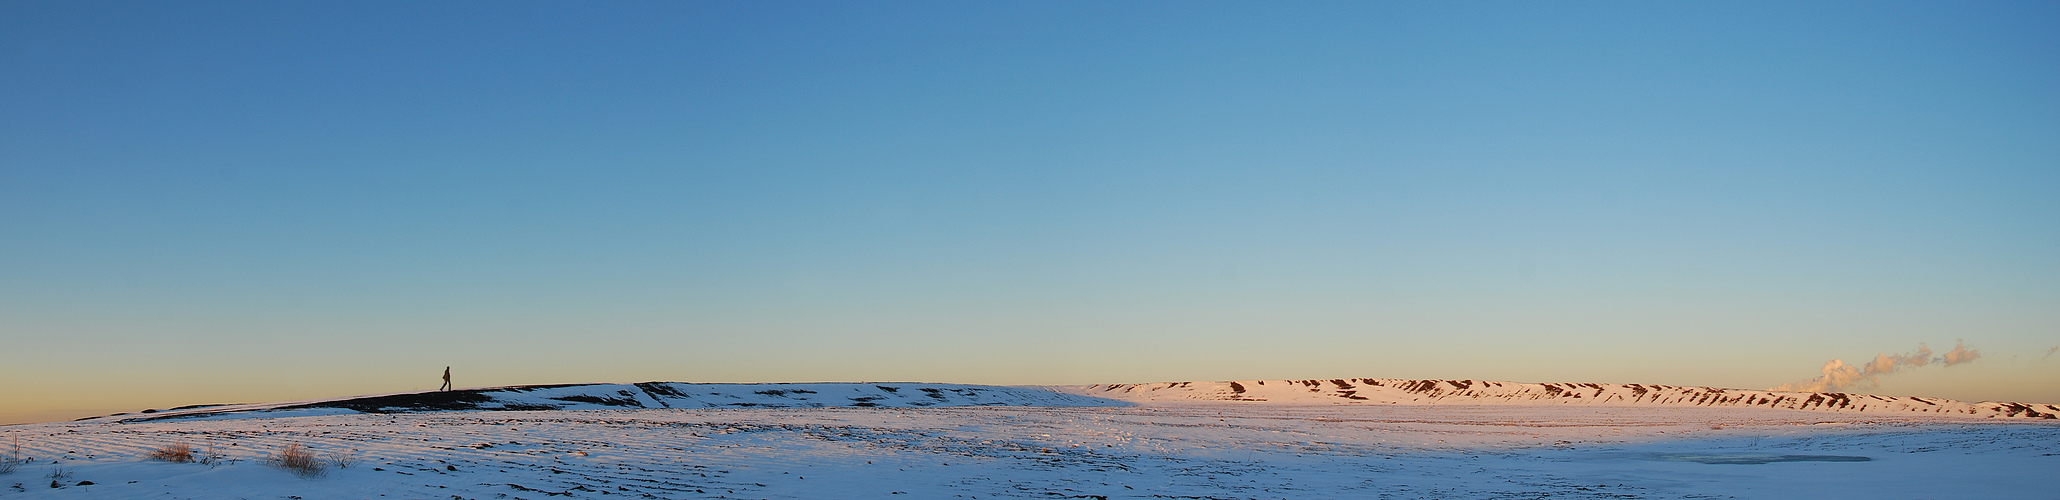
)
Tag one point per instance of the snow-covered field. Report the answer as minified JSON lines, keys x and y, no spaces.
{"x":985,"y":443}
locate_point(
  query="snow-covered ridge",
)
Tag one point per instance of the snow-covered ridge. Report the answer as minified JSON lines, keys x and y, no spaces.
{"x":647,"y":395}
{"x":1371,"y":391}
{"x":1359,"y":391}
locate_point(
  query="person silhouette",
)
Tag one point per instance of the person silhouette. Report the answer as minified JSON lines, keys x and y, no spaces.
{"x":446,"y":379}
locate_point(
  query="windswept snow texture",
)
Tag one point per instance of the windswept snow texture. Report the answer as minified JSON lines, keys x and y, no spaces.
{"x":1374,"y":391}
{"x":647,"y":395}
{"x":1214,"y":450}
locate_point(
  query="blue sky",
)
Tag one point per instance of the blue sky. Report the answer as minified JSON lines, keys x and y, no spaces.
{"x":210,"y":202}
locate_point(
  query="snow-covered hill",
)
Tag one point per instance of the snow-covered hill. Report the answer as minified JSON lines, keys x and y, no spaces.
{"x":1359,"y":391}
{"x":1144,"y":452}
{"x":1372,"y":391}
{"x":1346,"y":438}
{"x":647,"y":395}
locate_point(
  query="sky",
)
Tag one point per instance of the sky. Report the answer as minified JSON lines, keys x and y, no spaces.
{"x":219,"y":202}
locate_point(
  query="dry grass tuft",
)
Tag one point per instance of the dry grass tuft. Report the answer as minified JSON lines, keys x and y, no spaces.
{"x":178,"y":453}
{"x":213,"y":456}
{"x":298,"y":459}
{"x":343,"y":459}
{"x":13,"y":460}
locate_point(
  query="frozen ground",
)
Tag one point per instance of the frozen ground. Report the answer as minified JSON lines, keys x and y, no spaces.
{"x":1184,"y":450}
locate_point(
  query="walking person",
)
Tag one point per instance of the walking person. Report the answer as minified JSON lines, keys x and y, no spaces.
{"x":446,"y":379}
